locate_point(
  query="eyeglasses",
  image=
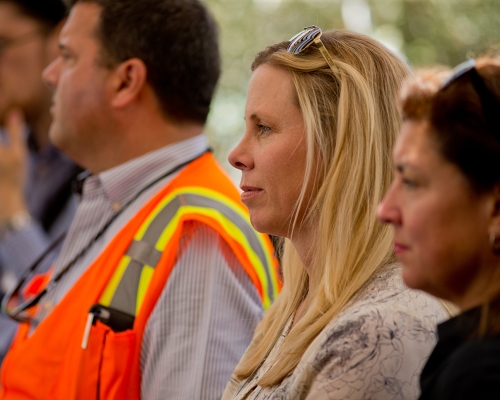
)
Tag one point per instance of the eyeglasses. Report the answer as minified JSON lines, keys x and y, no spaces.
{"x":13,"y":304}
{"x":489,"y":102}
{"x":6,"y":43}
{"x":304,"y":39}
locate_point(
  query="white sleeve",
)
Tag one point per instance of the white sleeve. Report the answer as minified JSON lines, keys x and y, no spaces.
{"x":201,"y":325}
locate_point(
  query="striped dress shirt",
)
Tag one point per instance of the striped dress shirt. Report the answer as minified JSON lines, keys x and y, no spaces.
{"x":206,"y":314}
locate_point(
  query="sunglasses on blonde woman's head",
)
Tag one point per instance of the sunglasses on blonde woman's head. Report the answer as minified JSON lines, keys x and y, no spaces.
{"x":305,"y":38}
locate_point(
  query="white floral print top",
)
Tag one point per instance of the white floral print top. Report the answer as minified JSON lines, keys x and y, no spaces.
{"x":374,"y":349}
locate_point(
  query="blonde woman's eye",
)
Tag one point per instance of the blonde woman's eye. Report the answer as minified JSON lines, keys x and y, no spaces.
{"x":263,"y":129}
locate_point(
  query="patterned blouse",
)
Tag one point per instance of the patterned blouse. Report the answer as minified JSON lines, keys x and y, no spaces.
{"x":374,"y":349}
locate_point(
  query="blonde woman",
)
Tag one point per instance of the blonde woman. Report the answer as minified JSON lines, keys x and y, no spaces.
{"x":321,"y":119}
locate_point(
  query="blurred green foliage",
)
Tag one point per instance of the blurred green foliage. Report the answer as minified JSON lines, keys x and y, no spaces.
{"x":424,"y":32}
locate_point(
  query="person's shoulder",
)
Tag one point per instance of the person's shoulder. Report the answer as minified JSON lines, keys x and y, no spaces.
{"x":387,"y":300}
{"x":387,"y":321}
{"x":395,"y":320}
{"x":378,"y":344}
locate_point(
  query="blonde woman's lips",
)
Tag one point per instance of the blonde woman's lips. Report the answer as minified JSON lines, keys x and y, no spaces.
{"x":249,"y":193}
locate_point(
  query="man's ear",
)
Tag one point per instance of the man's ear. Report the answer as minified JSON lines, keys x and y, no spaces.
{"x":127,"y":82}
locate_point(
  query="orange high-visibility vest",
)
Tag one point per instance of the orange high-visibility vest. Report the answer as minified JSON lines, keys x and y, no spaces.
{"x":51,"y":363}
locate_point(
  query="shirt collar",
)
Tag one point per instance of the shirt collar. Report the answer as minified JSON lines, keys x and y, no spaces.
{"x":122,"y":182}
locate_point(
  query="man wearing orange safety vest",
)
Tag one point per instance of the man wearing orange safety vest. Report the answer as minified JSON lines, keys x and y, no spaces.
{"x":161,"y":278}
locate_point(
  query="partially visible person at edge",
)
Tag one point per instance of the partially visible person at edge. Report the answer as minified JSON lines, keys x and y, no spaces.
{"x":444,"y":205}
{"x":161,"y":279}
{"x":315,"y":162}
{"x":36,"y":204}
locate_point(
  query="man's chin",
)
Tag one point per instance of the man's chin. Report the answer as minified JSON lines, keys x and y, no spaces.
{"x":55,"y":137}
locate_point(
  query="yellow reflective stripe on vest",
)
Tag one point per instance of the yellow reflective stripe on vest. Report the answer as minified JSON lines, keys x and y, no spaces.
{"x":114,"y":281}
{"x":127,"y":289}
{"x":146,"y":275}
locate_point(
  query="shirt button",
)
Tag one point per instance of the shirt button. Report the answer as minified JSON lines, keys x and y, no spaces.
{"x":116,"y":206}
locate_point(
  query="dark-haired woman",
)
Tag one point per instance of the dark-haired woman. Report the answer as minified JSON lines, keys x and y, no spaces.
{"x":444,"y":205}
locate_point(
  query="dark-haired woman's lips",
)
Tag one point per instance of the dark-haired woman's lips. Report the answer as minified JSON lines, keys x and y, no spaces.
{"x":249,"y":193}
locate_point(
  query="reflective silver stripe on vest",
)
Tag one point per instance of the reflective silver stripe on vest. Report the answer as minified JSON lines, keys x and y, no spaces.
{"x":143,"y":253}
{"x":125,"y":296}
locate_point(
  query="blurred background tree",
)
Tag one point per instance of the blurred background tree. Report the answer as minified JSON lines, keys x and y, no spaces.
{"x":423,"y":32}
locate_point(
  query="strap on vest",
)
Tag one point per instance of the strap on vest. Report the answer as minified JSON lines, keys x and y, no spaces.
{"x":127,"y":287}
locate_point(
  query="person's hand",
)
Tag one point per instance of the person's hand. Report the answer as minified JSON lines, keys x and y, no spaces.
{"x":13,"y":160}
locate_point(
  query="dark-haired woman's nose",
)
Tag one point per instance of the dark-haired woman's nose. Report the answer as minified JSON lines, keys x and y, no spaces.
{"x":388,"y":210}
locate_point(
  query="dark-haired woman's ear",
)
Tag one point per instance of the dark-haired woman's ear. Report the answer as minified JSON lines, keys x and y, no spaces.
{"x":494,"y":234}
{"x":496,"y":191}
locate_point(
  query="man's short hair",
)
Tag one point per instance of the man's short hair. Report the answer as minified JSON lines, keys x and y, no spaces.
{"x":178,"y":42}
{"x":47,"y":12}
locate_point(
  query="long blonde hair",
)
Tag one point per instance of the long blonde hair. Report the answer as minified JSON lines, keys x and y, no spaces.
{"x":351,"y":124}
